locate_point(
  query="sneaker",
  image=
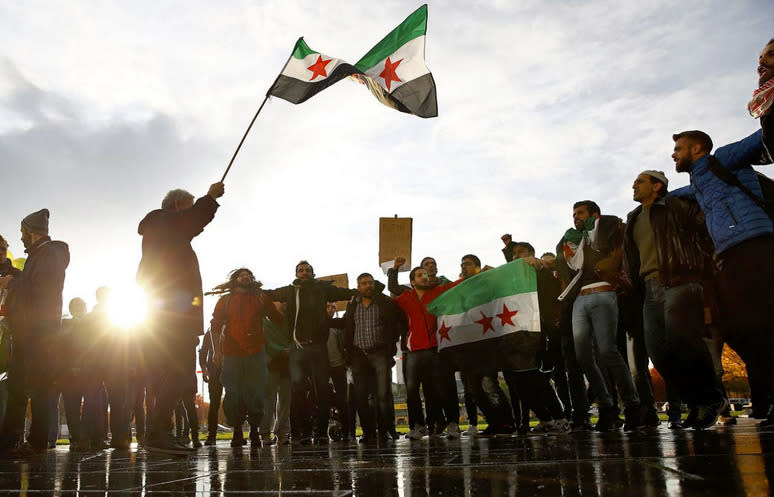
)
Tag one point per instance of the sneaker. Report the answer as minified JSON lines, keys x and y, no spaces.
{"x":726,"y":420}
{"x":635,"y":418}
{"x":607,"y":419}
{"x":238,"y":440}
{"x":283,"y":439}
{"x":24,"y":450}
{"x":707,"y":415}
{"x":268,"y":440}
{"x":79,"y":447}
{"x":167,"y":445}
{"x":211,"y":440}
{"x":675,"y":424}
{"x":690,"y":418}
{"x":453,"y":430}
{"x":543,"y":427}
{"x":651,"y":418}
{"x":489,"y":431}
{"x":581,"y":425}
{"x":560,"y":426}
{"x":472,"y":431}
{"x":300,"y":440}
{"x":418,"y":433}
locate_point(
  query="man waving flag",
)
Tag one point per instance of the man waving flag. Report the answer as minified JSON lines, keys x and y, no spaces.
{"x":394,"y":70}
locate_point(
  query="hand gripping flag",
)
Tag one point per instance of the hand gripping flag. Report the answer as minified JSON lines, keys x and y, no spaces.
{"x":493,"y":316}
{"x":394,"y":70}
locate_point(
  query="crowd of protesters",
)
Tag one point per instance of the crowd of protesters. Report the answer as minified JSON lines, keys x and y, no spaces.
{"x":685,"y":273}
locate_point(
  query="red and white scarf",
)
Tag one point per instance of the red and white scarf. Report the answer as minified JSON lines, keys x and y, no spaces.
{"x":762,"y":99}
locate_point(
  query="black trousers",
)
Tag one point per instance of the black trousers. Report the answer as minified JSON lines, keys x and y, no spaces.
{"x":169,"y":376}
{"x":28,"y":377}
{"x":340,"y":398}
{"x":537,"y":393}
{"x":746,"y":302}
{"x":215,"y":388}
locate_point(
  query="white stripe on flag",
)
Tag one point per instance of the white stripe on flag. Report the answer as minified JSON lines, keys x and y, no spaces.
{"x":299,"y":68}
{"x":412,"y":66}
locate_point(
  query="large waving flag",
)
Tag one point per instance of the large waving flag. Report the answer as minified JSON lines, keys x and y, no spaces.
{"x":489,"y":306}
{"x":307,"y":73}
{"x":394,"y":70}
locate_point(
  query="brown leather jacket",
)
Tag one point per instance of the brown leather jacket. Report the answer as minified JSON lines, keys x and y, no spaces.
{"x":682,"y":241}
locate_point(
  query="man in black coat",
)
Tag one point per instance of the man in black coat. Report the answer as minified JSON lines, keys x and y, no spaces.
{"x":373,"y":324}
{"x":169,"y":273}
{"x":34,"y":314}
{"x":307,"y":325}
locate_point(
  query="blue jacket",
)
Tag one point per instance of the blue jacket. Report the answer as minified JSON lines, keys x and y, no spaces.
{"x":731,"y":216}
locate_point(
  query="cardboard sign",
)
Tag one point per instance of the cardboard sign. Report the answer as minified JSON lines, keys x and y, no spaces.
{"x":341,"y":281}
{"x":395,"y":240}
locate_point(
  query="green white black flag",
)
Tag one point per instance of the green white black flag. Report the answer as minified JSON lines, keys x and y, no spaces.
{"x":394,"y":70}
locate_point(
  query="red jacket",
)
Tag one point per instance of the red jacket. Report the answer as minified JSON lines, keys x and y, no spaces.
{"x":421,"y":324}
{"x":242,"y":315}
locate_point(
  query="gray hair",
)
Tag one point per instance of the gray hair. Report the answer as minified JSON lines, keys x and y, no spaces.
{"x":180,"y":196}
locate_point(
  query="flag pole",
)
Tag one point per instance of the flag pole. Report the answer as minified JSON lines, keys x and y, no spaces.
{"x":243,"y":138}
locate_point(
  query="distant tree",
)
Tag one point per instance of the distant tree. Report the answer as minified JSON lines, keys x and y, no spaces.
{"x":735,"y":374}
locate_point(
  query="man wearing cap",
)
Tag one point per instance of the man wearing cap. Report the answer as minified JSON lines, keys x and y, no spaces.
{"x":665,"y":247}
{"x":34,"y":314}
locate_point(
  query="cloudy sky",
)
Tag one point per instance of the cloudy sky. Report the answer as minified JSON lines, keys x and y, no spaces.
{"x":105,"y":106}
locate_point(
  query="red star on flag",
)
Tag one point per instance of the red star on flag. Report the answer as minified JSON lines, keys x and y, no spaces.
{"x":444,"y":331}
{"x":389,"y":72}
{"x":485,"y":322}
{"x":506,"y":316}
{"x":318,"y":68}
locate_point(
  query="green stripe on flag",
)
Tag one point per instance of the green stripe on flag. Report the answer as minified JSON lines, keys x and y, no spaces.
{"x":415,"y":25}
{"x":301,"y":49}
{"x":509,"y":279}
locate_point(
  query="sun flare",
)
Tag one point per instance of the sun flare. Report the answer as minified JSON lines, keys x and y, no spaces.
{"x":128,"y":307}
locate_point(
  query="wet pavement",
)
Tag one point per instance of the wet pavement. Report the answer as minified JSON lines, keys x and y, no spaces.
{"x":734,"y":461}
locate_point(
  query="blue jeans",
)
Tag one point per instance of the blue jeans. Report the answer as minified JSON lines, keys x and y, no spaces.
{"x":244,"y":379}
{"x":309,"y":371}
{"x":595,"y":321}
{"x":674,"y":327}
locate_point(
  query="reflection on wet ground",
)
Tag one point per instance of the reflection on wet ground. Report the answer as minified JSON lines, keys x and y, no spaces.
{"x":724,"y":461}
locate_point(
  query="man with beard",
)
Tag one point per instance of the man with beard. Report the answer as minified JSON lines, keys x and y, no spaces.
{"x":372,"y":325}
{"x":729,"y":193}
{"x":238,"y":316}
{"x":307,"y":325}
{"x":169,"y":273}
{"x":593,"y":248}
{"x":662,"y":248}
{"x":421,"y":360}
{"x":34,"y":314}
{"x":429,"y":265}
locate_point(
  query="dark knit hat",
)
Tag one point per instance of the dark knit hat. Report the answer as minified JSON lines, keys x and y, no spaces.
{"x":37,"y":222}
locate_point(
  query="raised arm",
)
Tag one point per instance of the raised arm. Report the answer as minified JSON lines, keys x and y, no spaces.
{"x":743,"y":153}
{"x":392,"y":277}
